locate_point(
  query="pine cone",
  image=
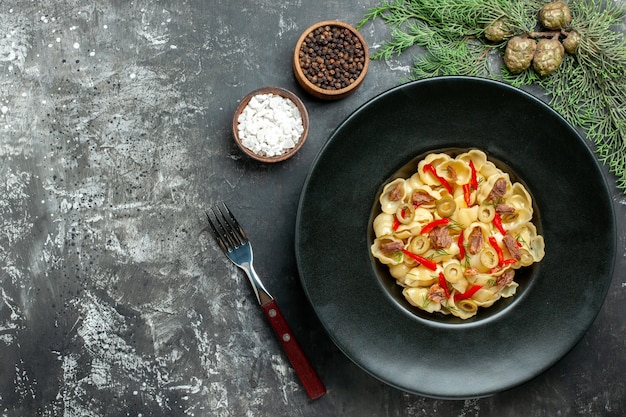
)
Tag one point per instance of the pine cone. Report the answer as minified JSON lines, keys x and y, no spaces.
{"x":555,"y":15}
{"x":518,"y":54}
{"x":571,"y":42}
{"x":548,"y":56}
{"x":497,"y":30}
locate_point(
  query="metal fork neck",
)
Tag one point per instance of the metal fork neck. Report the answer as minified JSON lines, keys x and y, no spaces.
{"x":262,"y":294}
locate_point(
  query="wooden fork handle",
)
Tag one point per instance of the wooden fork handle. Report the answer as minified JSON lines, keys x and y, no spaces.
{"x":308,"y":377}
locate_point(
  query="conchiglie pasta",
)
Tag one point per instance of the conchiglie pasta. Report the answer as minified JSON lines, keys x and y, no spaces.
{"x":383,"y":224}
{"x":519,"y":218}
{"x":537,"y":248}
{"x":399,"y":271}
{"x":489,"y":169}
{"x":486,"y":187}
{"x":478,"y":158}
{"x":380,"y":251}
{"x":466,"y":216}
{"x":519,"y":198}
{"x":419,"y":298}
{"x":531,"y":243}
{"x":456,"y":171}
{"x":436,"y":161}
{"x":419,"y":277}
{"x":405,"y":231}
{"x":454,"y":232}
{"x":509,"y":290}
{"x":393,"y":196}
{"x":423,"y":215}
{"x":460,"y":286}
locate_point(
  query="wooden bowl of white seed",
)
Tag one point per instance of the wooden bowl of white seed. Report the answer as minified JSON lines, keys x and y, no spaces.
{"x":270,"y":124}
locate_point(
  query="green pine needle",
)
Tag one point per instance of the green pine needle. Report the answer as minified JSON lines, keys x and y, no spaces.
{"x":588,"y":89}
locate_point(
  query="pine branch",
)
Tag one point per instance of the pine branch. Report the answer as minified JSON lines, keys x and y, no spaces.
{"x":589,"y":89}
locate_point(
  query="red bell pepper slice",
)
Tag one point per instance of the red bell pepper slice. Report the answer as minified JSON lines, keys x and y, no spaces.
{"x":467,"y":294}
{"x":430,"y":226}
{"x":428,"y":263}
{"x":467,"y":194}
{"x":494,"y":244}
{"x":444,"y":284}
{"x":460,"y":242}
{"x":430,"y":168}
{"x":396,"y":221}
{"x":497,"y":221}
{"x":501,"y":261}
{"x":474,"y":178}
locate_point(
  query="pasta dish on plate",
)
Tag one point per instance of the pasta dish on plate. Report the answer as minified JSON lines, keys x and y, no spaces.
{"x":455,"y":232}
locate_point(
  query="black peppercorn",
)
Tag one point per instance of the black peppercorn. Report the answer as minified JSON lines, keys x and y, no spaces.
{"x":339,"y":56}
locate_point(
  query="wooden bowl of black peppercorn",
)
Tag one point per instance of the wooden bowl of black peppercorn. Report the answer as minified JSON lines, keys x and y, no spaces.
{"x":330,"y":60}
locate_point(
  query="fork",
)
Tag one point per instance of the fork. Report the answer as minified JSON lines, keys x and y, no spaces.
{"x":234,"y":242}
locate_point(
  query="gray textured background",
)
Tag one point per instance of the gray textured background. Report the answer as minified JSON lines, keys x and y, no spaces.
{"x":115,"y":136}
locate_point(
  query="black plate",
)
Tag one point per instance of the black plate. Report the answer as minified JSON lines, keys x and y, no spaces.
{"x":558,"y":298}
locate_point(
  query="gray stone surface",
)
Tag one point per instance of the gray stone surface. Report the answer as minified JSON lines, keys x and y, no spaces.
{"x":115,"y":137}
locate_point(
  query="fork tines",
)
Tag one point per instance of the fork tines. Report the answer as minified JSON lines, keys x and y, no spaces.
{"x":226,"y":229}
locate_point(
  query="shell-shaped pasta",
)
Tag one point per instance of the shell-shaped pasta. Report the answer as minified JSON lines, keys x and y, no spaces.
{"x":388,"y":202}
{"x":460,"y":286}
{"x":526,"y":257}
{"x":418,"y":296}
{"x":424,"y":188}
{"x":509,"y":290}
{"x":399,"y":271}
{"x":466,"y":216}
{"x":405,"y":231}
{"x":383,"y":224}
{"x":443,"y":255}
{"x":383,"y":256}
{"x":532,"y":242}
{"x":436,"y":160}
{"x":519,"y":197}
{"x":420,"y":277}
{"x":537,"y":248}
{"x":456,"y":171}
{"x":486,"y":296}
{"x":520,"y":217}
{"x":423,"y":216}
{"x":483,"y":279}
{"x":524,"y":233}
{"x":488,"y":170}
{"x":486,"y":186}
{"x":484,"y":228}
{"x":406,"y":210}
{"x":459,"y":198}
{"x":478,"y":158}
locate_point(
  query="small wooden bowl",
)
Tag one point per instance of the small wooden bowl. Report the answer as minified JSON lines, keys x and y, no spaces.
{"x":279,"y":92}
{"x":314,"y":89}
